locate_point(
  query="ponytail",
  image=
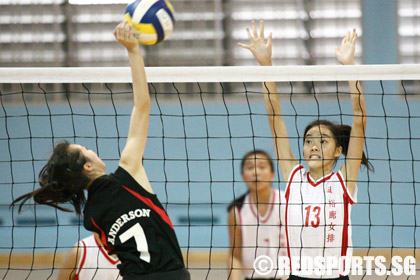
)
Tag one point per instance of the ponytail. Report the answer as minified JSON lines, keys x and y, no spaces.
{"x":343,"y":139}
{"x":62,"y":180}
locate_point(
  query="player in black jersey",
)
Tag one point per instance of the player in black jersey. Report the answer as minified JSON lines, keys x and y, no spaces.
{"x":121,"y":208}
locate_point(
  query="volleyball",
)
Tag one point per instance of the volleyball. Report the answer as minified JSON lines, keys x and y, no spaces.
{"x":152,"y":20}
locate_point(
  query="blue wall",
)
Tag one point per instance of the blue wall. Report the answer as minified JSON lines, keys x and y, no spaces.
{"x":380,"y":35}
{"x":197,"y":192}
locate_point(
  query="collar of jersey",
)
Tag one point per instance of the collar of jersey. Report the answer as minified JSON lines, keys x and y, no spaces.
{"x":254,"y":209}
{"x":97,"y":183}
{"x":320,"y":180}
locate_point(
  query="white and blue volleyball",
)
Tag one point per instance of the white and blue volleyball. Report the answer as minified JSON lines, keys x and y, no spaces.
{"x":152,"y":20}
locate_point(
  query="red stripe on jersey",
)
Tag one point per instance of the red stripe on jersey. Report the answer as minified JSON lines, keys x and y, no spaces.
{"x":291,"y":179}
{"x":314,"y":184}
{"x":150,"y":203}
{"x":83,"y":260}
{"x":345,"y":237}
{"x":103,"y":236}
{"x":269,"y":211}
{"x":345,"y":190}
{"x":272,"y":206}
{"x":287,"y":233}
{"x":251,"y":206}
{"x":105,"y":253}
{"x":287,"y":209}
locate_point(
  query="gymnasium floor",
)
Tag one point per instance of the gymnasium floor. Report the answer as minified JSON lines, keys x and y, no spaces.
{"x":198,"y":264}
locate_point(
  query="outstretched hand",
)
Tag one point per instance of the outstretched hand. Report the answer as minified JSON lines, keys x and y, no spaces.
{"x":124,"y":34}
{"x":345,"y":53}
{"x":260,"y":47}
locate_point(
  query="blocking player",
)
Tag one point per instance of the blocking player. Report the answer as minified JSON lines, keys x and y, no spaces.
{"x":318,"y":200}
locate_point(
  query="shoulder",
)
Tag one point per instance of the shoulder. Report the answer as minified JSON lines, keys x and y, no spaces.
{"x":239,"y":202}
{"x":350,"y":194}
{"x":87,"y":241}
{"x":121,"y":173}
{"x":119,"y":177}
{"x":137,"y":180}
{"x":298,"y":173}
{"x":279,"y":194}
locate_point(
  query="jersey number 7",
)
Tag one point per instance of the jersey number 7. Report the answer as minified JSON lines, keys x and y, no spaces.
{"x":137,"y":232}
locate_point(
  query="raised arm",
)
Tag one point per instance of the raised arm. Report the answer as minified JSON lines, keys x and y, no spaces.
{"x":350,"y":169}
{"x":132,"y":155}
{"x":262,"y":50}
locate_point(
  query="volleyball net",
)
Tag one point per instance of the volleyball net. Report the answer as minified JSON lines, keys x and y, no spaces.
{"x":203,"y":121}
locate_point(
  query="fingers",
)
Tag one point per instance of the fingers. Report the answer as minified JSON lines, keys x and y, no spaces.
{"x":117,"y":30}
{"x":253,"y":35}
{"x":262,"y":29}
{"x":254,"y":29}
{"x":350,"y":37}
{"x":354,"y":36}
{"x":337,"y":51}
{"x":270,"y":39}
{"x":249,"y":34}
{"x":124,"y":31}
{"x":346,"y":38}
{"x":128,"y":31}
{"x":248,"y":47}
{"x":344,"y":41}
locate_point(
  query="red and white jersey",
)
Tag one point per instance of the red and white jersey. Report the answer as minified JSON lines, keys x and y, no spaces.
{"x":318,"y":218}
{"x":262,"y":235}
{"x":95,"y":263}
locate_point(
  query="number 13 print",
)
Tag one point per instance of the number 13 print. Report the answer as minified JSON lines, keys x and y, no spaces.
{"x":314,"y":222}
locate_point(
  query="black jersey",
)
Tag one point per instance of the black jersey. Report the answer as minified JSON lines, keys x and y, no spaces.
{"x":132,"y":224}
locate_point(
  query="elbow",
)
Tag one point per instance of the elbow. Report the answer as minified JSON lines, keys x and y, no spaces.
{"x":364,"y":121}
{"x":142,"y":103}
{"x":360,"y":125}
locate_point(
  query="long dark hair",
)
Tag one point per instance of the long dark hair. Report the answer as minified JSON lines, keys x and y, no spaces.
{"x":62,"y":180}
{"x":341,"y":133}
{"x":255,"y":152}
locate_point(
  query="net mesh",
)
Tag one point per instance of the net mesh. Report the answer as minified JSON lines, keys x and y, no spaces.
{"x":198,"y":135}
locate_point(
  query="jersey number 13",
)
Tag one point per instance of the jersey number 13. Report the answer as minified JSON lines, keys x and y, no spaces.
{"x":314,"y":219}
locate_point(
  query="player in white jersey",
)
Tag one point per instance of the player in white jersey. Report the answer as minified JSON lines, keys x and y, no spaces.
{"x":256,"y":220}
{"x":324,"y":206}
{"x":318,"y":201}
{"x":88,"y":260}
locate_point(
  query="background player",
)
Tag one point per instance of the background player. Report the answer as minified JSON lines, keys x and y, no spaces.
{"x":256,"y":219}
{"x":88,"y":260}
{"x":121,"y":207}
{"x":318,"y":202}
